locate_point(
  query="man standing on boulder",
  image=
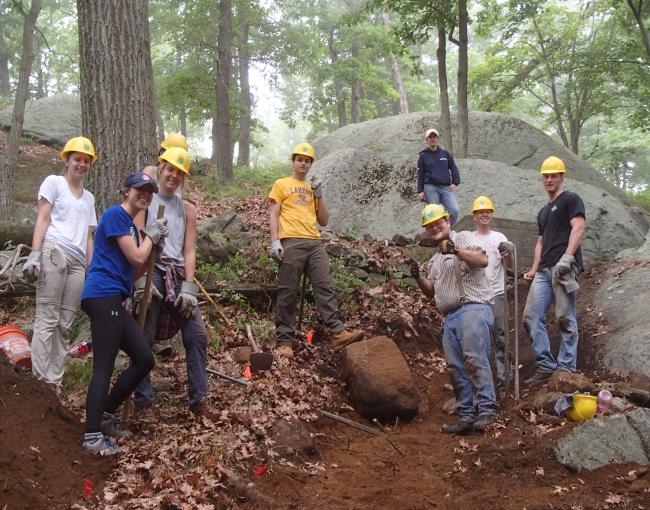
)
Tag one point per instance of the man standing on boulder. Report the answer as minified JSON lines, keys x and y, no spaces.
{"x":556,"y":266}
{"x":499,"y":251}
{"x":457,"y":282}
{"x":295,"y":209}
{"x":438,"y":175}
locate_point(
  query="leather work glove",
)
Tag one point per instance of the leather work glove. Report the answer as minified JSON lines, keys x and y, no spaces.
{"x":32,"y":266}
{"x":276,"y":251}
{"x":506,"y":248}
{"x":138,"y":293}
{"x":317,"y":187}
{"x":157,"y":231}
{"x":415,"y":269}
{"x":563,"y":266}
{"x":186,"y":303}
{"x":447,"y":247}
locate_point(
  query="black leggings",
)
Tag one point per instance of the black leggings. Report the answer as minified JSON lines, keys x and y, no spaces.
{"x":113,"y":328}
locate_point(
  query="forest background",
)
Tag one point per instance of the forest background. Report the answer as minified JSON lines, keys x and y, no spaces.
{"x":245,"y":80}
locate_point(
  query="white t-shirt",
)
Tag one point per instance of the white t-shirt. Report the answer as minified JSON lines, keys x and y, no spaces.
{"x":494,"y":270}
{"x":70,"y":218}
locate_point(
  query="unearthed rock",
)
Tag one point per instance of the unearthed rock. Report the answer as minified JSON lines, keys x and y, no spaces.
{"x":359,"y":273}
{"x":51,"y":120}
{"x":226,"y":223}
{"x":640,"y":381}
{"x":545,"y":400}
{"x":400,"y":240}
{"x":379,"y":380}
{"x":595,"y":443}
{"x":567,"y":382}
{"x":290,"y":437}
{"x":214,"y":247}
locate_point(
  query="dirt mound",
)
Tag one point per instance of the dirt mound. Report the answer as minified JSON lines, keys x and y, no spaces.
{"x":41,"y":463}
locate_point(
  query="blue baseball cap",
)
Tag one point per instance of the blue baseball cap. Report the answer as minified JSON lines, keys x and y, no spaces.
{"x":138,"y":180}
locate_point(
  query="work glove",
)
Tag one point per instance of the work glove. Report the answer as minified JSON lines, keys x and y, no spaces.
{"x":447,"y":247}
{"x":506,"y":248}
{"x":415,"y":269}
{"x":157,"y":231}
{"x":186,"y":303}
{"x":276,"y":251}
{"x":563,"y":267}
{"x":317,"y":187}
{"x":138,"y":293}
{"x":32,"y":266}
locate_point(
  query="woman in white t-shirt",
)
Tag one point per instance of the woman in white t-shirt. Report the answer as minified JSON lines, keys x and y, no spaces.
{"x":62,"y":246}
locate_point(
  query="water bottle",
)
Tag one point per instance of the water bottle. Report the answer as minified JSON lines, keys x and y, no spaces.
{"x":603,"y":401}
{"x":80,"y":350}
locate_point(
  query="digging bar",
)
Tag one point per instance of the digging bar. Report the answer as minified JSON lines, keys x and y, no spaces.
{"x":151,"y":261}
{"x":506,"y":320}
{"x":514,"y":263}
{"x":227,"y":377}
{"x":259,"y":360}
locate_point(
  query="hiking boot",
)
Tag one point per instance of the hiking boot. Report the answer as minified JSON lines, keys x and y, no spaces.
{"x":113,"y":427}
{"x":539,"y":378}
{"x":461,"y":428}
{"x":285,"y":350}
{"x":483,"y":422}
{"x":203,"y":409}
{"x":164,"y":349}
{"x":98,"y":443}
{"x":344,"y":338}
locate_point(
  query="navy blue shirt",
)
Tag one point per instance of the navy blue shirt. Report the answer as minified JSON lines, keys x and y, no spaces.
{"x":110,"y":272}
{"x":436,"y":167}
{"x":554,"y":225}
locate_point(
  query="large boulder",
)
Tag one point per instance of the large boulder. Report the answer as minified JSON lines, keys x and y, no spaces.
{"x":369,"y":174}
{"x":51,"y":120}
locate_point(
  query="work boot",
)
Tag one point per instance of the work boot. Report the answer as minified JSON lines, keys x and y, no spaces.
{"x":461,"y":428}
{"x":539,"y":378}
{"x":164,"y":349}
{"x":285,"y":350}
{"x":113,"y":427}
{"x":483,"y":422}
{"x":344,"y":338}
{"x":98,"y":443}
{"x":204,"y":408}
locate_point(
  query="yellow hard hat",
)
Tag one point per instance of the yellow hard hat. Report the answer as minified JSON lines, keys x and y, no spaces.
{"x":482,"y":203}
{"x":178,"y":158}
{"x":79,"y":144}
{"x":433,"y":212}
{"x":584,"y":407}
{"x":552,"y":165}
{"x":304,"y":149}
{"x":174,"y":140}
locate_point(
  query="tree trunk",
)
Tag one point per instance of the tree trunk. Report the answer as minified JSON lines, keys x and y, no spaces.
{"x":445,"y":115}
{"x":355,"y":107}
{"x":463,"y":112}
{"x":117,"y":94}
{"x":338,"y":87}
{"x":244,"y":153}
{"x":182,"y":119}
{"x":221,"y":131}
{"x":160,"y":125}
{"x":18,"y":115}
{"x":395,"y":74}
{"x":642,"y":28}
{"x":5,"y":84}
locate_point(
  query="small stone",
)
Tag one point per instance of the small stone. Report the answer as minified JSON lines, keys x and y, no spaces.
{"x":449,"y":406}
{"x":290,"y":437}
{"x":242,"y":354}
{"x":570,"y":382}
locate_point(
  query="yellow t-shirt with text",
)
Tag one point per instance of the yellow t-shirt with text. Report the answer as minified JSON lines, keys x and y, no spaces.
{"x":297,"y":213}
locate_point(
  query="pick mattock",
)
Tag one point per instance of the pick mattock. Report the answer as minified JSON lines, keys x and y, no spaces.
{"x":151,"y":261}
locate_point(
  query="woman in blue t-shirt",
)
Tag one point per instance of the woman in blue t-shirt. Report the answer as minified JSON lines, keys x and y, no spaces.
{"x":119,"y":258}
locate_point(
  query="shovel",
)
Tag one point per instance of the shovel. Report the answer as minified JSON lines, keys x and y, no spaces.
{"x":259,"y":360}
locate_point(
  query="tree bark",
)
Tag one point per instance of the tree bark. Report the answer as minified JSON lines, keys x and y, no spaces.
{"x":5,"y":84}
{"x":338,"y":87}
{"x":445,"y":115}
{"x":244,"y":153}
{"x":463,"y":112}
{"x":18,"y":115}
{"x":395,"y":74}
{"x":645,"y":38}
{"x":223,"y":123}
{"x":355,"y":107}
{"x":160,"y":125}
{"x":117,"y":94}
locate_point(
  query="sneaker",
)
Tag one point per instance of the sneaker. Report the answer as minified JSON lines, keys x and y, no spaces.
{"x":203,"y":408}
{"x":113,"y":427}
{"x":164,"y":349}
{"x":98,"y":443}
{"x":539,"y":378}
{"x":461,"y":428}
{"x":344,"y":338}
{"x":483,"y":422}
{"x":285,"y":351}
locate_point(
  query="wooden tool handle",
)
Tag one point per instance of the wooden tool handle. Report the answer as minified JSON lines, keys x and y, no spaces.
{"x":251,"y":340}
{"x":151,"y":261}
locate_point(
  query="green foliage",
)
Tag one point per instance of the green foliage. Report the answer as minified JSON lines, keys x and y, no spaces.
{"x":229,"y":272}
{"x":345,"y":286}
{"x":643,"y":199}
{"x":247,"y":180}
{"x":78,"y":373}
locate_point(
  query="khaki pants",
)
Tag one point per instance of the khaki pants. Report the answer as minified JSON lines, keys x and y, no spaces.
{"x":308,"y":256}
{"x":58,"y":291}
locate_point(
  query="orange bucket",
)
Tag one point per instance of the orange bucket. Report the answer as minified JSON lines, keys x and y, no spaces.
{"x":15,"y":346}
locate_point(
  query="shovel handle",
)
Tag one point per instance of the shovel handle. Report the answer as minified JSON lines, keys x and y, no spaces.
{"x":146,"y":297}
{"x":251,"y":340}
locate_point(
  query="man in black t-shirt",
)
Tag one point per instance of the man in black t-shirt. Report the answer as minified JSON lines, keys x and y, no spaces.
{"x":556,"y":266}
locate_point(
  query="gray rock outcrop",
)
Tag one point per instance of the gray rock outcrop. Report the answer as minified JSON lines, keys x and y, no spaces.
{"x":51,"y":120}
{"x":369,"y":173}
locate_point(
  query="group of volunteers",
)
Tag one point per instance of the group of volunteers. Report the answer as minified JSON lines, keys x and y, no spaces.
{"x":104,"y":272}
{"x":466,"y":279}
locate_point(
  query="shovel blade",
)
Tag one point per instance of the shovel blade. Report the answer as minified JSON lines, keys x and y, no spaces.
{"x":261,"y":361}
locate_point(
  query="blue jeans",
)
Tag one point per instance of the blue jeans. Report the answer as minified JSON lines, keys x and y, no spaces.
{"x":541,"y":295}
{"x":195,"y":341}
{"x":437,"y":194}
{"x":466,"y":339}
